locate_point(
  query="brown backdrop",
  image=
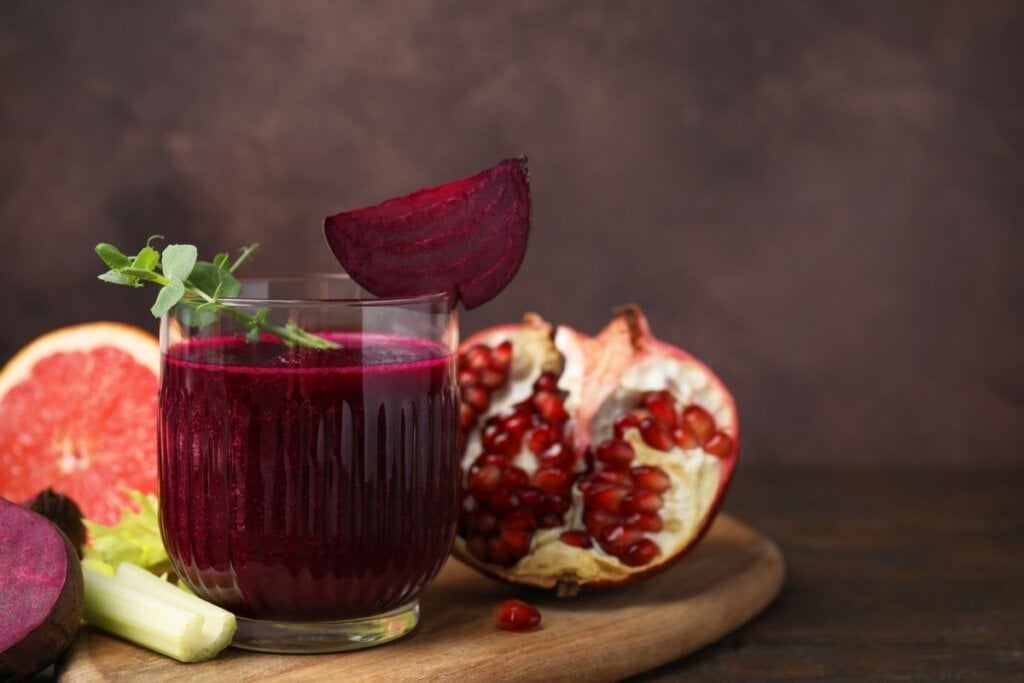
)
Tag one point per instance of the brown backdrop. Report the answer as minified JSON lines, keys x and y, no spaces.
{"x":822,"y":200}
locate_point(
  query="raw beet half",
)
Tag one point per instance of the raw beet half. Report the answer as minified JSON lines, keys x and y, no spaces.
{"x":40,"y":592}
{"x":466,"y":238}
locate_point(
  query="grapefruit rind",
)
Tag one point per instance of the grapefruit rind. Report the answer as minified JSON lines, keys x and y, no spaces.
{"x":139,"y":344}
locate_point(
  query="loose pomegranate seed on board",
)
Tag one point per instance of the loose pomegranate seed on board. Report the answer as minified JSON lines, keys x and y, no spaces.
{"x":516,"y":615}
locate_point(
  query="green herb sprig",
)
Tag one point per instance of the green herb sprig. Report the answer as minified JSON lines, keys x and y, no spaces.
{"x":199,"y":285}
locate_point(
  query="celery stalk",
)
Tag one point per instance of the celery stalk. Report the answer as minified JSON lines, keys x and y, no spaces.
{"x":218,"y":624}
{"x":145,"y":619}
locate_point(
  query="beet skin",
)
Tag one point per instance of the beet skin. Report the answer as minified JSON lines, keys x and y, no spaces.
{"x":40,"y":592}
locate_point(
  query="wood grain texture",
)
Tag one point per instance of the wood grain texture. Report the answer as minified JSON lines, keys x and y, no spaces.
{"x":729,"y":578}
{"x":899,"y":575}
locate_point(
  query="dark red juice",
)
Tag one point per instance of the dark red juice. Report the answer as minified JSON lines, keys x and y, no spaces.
{"x":308,"y":485}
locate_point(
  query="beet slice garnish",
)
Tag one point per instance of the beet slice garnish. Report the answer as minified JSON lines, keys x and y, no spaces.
{"x":466,"y":238}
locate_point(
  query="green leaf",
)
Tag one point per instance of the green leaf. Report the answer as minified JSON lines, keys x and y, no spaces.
{"x":198,"y":315}
{"x":169,"y":295}
{"x":230,"y":287}
{"x":178,"y":260}
{"x":112,"y":256}
{"x":147,"y":259}
{"x":205,"y":277}
{"x":143,"y":274}
{"x":117,"y":278}
{"x":136,"y":538}
{"x":205,"y":283}
{"x":214,"y":281}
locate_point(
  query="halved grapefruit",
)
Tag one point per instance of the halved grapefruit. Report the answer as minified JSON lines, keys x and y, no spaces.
{"x":78,"y":412}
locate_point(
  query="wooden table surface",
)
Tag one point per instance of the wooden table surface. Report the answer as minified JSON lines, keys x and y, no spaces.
{"x":910,"y":576}
{"x":890,"y":576}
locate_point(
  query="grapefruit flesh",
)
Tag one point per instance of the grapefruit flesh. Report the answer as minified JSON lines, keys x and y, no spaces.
{"x":78,"y":413}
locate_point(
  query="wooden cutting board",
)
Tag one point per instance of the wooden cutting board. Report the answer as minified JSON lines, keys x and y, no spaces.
{"x":729,"y":578}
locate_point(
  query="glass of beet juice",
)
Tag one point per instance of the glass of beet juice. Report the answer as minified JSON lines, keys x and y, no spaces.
{"x":310,"y":491}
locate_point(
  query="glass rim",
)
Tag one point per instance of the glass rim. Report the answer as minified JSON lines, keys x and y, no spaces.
{"x":292,"y":276}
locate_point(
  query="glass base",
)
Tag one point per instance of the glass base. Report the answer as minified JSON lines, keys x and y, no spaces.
{"x":325,"y":636}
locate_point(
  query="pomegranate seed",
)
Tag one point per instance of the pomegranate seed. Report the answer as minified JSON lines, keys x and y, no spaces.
{"x":662,"y":407}
{"x":516,"y":615}
{"x":484,"y":480}
{"x":719,"y":444}
{"x":684,"y":437}
{"x":552,"y":481}
{"x":490,"y":431}
{"x":576,"y":538}
{"x":642,"y":501}
{"x":498,"y":418}
{"x":627,"y":421}
{"x":491,"y":459}
{"x":640,"y":553}
{"x":466,"y":376}
{"x":616,"y":454}
{"x":513,"y":478}
{"x":501,"y":356}
{"x":506,"y":444}
{"x":533,"y":499}
{"x":542,"y":438}
{"x":556,"y":505}
{"x":651,"y":478}
{"x":518,"y":520}
{"x":546,"y":382}
{"x":503,"y":503}
{"x":478,"y":546}
{"x":467,"y":416}
{"x":476,"y":398}
{"x":517,"y":423}
{"x":499,"y":553}
{"x":478,"y":358}
{"x":607,"y":498}
{"x":644,"y":522}
{"x":557,"y":456}
{"x":492,"y":379}
{"x":655,"y":435}
{"x":596,"y":520}
{"x":621,"y":480}
{"x":517,"y":542}
{"x":483,"y":521}
{"x":618,"y":538}
{"x":550,"y":407}
{"x":699,"y":421}
{"x":550,"y":521}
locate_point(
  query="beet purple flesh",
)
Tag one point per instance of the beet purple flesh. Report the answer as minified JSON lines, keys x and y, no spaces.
{"x":466,"y":238}
{"x":40,"y":592}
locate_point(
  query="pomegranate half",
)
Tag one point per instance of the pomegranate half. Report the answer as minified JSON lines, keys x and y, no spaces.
{"x":587,"y":461}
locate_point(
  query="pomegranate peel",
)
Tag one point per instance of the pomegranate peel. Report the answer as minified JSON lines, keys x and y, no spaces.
{"x":466,"y":238}
{"x":626,"y":458}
